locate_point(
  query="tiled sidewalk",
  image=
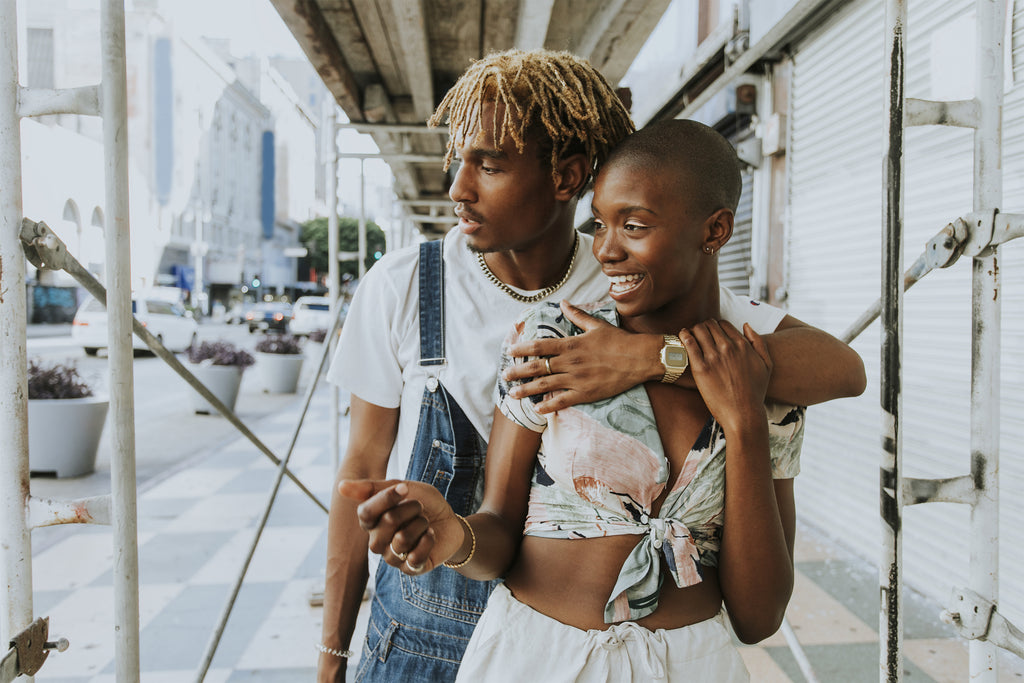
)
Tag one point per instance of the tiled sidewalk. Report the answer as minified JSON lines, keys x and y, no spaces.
{"x":196,"y":524}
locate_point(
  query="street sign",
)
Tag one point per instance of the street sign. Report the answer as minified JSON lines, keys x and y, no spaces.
{"x":295,"y":252}
{"x":348,"y":255}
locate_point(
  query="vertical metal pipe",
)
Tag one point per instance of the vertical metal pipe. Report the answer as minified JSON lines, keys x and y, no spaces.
{"x":362,"y":218}
{"x":891,"y":476}
{"x":985,"y":341}
{"x":114,"y":110}
{"x":15,"y":539}
{"x":333,"y":269}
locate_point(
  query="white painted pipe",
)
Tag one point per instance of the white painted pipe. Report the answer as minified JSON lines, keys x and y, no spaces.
{"x":15,"y":540}
{"x":114,"y":109}
{"x":333,"y":271}
{"x":986,"y":324}
{"x":890,"y":575}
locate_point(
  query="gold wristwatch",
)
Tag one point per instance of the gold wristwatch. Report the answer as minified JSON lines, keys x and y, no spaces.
{"x":673,"y":358}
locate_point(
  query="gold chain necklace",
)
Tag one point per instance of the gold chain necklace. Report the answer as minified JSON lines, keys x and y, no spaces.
{"x":533,"y":298}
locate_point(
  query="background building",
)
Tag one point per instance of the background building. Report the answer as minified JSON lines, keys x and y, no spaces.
{"x":225,"y":157}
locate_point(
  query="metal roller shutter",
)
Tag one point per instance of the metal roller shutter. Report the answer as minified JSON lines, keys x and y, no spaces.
{"x":734,"y":259}
{"x":834,"y":262}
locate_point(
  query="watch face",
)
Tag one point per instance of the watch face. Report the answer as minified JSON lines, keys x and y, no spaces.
{"x":675,"y":357}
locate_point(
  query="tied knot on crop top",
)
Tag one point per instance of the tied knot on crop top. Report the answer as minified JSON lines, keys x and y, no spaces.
{"x":601,"y":466}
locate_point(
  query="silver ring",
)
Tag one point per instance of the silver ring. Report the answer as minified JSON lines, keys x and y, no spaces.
{"x":400,"y":556}
{"x":547,"y":364}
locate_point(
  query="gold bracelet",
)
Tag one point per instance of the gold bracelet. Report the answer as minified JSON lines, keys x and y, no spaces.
{"x":472,"y":547}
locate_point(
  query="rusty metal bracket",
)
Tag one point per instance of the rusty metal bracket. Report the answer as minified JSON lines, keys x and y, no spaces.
{"x":976,"y":618}
{"x":42,"y":247}
{"x":970,"y":614}
{"x":980,"y":228}
{"x":945,"y":248}
{"x":31,"y":648}
{"x":971,"y":235}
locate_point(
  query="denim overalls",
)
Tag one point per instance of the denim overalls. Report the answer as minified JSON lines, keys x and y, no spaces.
{"x":420,"y":626}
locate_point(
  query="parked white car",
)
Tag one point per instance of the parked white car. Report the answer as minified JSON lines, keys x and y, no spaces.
{"x":168,"y":321}
{"x":311,"y":313}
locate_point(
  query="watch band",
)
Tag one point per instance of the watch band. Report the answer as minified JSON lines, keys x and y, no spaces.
{"x":673,"y":371}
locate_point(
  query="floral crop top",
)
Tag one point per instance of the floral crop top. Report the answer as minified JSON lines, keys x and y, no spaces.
{"x":601,"y":466}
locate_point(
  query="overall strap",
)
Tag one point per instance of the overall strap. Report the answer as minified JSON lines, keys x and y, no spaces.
{"x":432,"y":303}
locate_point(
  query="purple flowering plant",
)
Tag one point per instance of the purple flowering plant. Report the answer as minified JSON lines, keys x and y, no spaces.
{"x":220,"y":353}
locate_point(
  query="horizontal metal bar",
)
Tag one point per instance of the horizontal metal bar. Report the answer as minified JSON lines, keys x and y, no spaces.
{"x":50,"y":512}
{"x":960,"y":113}
{"x":42,"y":101}
{"x":408,"y":158}
{"x":395,"y":128}
{"x":951,"y":490}
{"x":1009,"y":226}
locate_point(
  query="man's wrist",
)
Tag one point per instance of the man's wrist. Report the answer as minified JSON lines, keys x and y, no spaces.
{"x":651,"y":345}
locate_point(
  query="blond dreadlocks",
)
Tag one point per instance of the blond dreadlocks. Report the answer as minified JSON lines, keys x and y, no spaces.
{"x":552,"y":93}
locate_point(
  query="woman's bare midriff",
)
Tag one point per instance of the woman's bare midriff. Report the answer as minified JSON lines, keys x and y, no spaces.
{"x":571,"y":580}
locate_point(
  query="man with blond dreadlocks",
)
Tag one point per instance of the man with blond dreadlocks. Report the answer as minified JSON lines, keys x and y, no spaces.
{"x":420,"y":347}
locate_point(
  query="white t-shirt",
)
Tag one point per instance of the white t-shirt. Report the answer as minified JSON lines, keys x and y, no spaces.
{"x":378,"y":354}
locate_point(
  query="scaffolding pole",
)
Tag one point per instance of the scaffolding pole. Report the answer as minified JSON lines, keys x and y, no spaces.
{"x":15,"y":539}
{"x":973,"y":610}
{"x":333,"y":271}
{"x":890,"y":626}
{"x":986,"y":326}
{"x":114,"y":110}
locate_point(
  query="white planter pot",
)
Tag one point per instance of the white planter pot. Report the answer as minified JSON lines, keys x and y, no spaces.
{"x":222,"y":380}
{"x":64,"y":434}
{"x":280,"y":371}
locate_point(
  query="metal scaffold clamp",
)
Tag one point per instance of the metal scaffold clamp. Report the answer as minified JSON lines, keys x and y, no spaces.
{"x":972,"y":235}
{"x":42,"y":247}
{"x":976,"y":618}
{"x":29,"y":650}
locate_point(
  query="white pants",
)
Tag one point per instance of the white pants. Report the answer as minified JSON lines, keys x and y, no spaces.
{"x":513,"y":642}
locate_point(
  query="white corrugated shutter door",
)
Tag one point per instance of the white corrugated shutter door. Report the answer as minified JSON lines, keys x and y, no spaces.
{"x":734,"y":259}
{"x":834,"y":263}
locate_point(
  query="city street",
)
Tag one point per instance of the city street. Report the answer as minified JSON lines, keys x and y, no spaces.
{"x":167,"y":431}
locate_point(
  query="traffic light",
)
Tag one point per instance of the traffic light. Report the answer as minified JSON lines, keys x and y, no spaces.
{"x":255,"y":281}
{"x":377,"y":255}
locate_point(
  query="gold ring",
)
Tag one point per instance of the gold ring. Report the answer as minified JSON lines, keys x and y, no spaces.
{"x":547,"y":364}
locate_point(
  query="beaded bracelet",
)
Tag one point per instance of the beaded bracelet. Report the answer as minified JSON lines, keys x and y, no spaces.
{"x":343,"y":654}
{"x":472,"y":547}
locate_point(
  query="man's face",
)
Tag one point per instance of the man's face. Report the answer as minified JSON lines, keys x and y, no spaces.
{"x":505,"y":200}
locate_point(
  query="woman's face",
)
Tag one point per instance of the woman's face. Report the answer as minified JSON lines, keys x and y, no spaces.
{"x":649,"y":241}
